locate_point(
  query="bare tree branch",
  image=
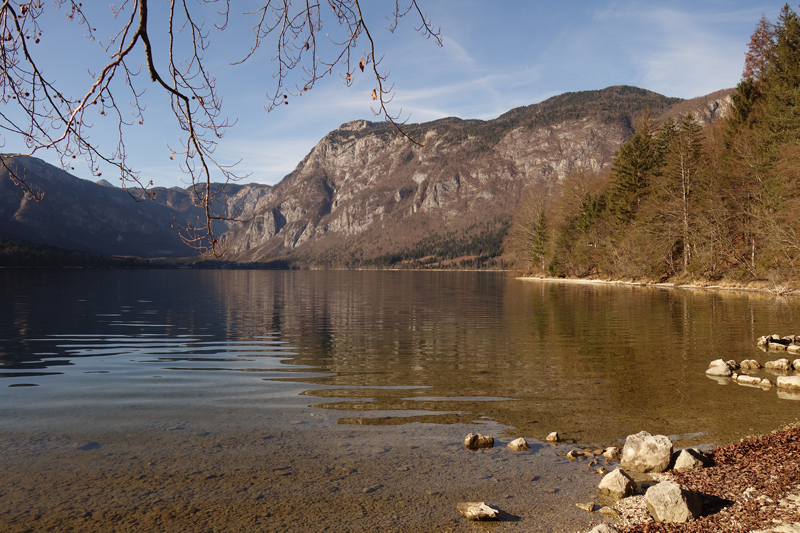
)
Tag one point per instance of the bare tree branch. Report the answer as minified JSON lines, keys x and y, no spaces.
{"x":52,"y":120}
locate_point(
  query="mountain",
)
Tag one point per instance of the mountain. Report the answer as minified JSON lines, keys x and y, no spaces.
{"x":98,"y":217}
{"x":364,"y":196}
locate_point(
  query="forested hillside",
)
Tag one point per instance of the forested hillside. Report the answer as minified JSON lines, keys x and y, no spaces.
{"x":684,"y":201}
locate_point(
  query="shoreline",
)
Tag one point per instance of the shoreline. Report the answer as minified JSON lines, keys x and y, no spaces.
{"x":752,"y":485}
{"x":667,"y":285}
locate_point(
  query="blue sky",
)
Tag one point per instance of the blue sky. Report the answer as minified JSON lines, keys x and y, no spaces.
{"x":496,"y":56}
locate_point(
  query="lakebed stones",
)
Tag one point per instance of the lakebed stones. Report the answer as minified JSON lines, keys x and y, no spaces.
{"x":616,"y":485}
{"x":519,"y":445}
{"x":588,"y":507}
{"x":644,"y":452}
{"x":673,"y":503}
{"x":475,"y":441}
{"x":553,"y":437}
{"x":476,"y":511}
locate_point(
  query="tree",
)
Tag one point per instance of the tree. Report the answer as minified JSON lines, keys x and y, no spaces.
{"x":759,"y":51}
{"x":631,"y":170}
{"x":52,"y":119}
{"x":680,"y":180}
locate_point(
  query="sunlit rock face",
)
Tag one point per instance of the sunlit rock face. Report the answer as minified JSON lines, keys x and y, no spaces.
{"x":365,"y":192}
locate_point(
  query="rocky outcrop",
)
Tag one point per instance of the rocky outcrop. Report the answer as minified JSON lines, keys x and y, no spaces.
{"x":672,"y":503}
{"x":644,"y":452}
{"x":365,"y":196}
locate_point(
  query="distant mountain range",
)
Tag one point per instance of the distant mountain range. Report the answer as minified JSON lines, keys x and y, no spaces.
{"x":362,"y":196}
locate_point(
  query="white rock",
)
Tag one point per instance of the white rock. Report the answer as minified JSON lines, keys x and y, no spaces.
{"x":749,"y":365}
{"x":474,"y":441}
{"x":781,"y":365}
{"x":617,"y":485}
{"x":719,"y":370}
{"x":796,"y":363}
{"x":611,"y":453}
{"x":519,"y":445}
{"x":670,"y":502}
{"x":478,"y":511}
{"x":794,"y":348}
{"x":646,"y":453}
{"x":717,"y":362}
{"x":687,"y":460}
{"x":553,"y":437}
{"x":748,"y":380}
{"x":788,"y":382}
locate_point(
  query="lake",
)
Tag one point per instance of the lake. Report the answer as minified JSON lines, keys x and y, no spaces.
{"x":187,"y":400}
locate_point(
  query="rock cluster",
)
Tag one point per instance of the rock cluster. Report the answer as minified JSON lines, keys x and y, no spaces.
{"x":666,"y":501}
{"x":720,"y":369}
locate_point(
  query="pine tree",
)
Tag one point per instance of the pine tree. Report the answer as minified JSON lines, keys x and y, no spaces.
{"x":631,"y":170}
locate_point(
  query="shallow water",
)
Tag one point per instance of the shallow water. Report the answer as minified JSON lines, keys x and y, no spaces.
{"x":296,"y":401}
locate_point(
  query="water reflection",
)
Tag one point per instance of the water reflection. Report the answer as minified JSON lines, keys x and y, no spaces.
{"x":594,"y":362}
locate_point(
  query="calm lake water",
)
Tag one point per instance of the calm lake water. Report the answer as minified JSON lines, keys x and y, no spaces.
{"x":338,"y":401}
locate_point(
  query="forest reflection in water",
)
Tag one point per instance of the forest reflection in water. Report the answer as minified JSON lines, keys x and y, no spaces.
{"x":258,"y":400}
{"x":595,"y":362}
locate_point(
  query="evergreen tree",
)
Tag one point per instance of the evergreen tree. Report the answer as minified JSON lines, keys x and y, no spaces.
{"x":631,"y":170}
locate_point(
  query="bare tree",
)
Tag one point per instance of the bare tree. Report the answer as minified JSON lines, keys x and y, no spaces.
{"x":54,"y":120}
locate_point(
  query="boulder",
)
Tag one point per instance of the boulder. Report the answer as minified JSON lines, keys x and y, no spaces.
{"x":766,"y":383}
{"x":688,"y":460}
{"x":732,"y":364}
{"x":474,"y":441}
{"x":588,"y":507}
{"x":478,"y":511}
{"x":794,"y":349}
{"x":519,"y":445}
{"x":780,"y":365}
{"x":553,"y":437}
{"x":788,"y":382}
{"x":796,"y":363}
{"x":647,"y":453}
{"x":673,"y":503}
{"x":616,"y":485}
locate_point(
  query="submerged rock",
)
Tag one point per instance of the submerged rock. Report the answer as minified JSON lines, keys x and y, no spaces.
{"x":588,"y":507}
{"x":670,"y":502}
{"x":474,"y":441}
{"x":478,"y":511}
{"x":647,"y":453}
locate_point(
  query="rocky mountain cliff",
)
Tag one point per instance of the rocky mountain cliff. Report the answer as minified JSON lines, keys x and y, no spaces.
{"x":363,"y":196}
{"x":98,"y":217}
